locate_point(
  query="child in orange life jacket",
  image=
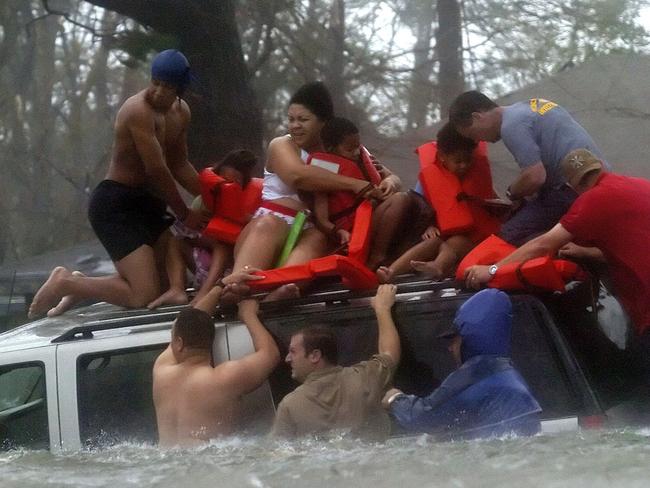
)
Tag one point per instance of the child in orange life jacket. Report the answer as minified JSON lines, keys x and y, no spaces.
{"x":206,"y":257}
{"x":433,"y":255}
{"x":340,"y":137}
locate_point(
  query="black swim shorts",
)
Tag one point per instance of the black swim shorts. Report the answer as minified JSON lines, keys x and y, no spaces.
{"x":125,"y":218}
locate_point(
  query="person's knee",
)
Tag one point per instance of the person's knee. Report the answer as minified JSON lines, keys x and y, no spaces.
{"x":267,"y":225}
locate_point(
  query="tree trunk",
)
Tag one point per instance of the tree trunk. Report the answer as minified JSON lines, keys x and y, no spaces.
{"x":225,"y":114}
{"x":449,"y":44}
{"x":336,"y":66}
{"x":421,"y":87}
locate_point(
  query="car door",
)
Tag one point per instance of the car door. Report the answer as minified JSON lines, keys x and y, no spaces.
{"x":29,"y":415}
{"x":105,"y":388}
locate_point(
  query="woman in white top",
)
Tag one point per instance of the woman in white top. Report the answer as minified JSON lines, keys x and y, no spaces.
{"x":285,"y":173}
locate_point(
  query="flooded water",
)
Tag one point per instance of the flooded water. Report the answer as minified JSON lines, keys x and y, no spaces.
{"x":585,"y":459}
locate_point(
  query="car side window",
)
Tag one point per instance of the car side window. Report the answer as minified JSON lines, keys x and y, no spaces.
{"x":114,"y":391}
{"x":23,"y":407}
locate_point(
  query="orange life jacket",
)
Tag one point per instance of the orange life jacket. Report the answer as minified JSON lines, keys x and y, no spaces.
{"x":341,"y":204}
{"x":444,"y":191}
{"x":539,"y":274}
{"x":231,"y":206}
{"x":351,"y":268}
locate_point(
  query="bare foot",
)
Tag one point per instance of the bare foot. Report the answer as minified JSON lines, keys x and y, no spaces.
{"x":384,"y":274}
{"x":285,"y":292}
{"x":66,"y":303}
{"x":173,"y":296}
{"x":49,"y":294}
{"x":429,"y":268}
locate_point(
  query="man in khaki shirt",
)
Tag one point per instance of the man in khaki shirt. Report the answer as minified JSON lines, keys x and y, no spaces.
{"x":334,"y":397}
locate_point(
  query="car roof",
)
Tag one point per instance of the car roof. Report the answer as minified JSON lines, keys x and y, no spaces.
{"x":80,"y":322}
{"x":85,"y":321}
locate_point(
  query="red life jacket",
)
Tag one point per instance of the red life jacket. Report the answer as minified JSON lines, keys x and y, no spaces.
{"x":231,"y":206}
{"x":341,"y":204}
{"x":442,"y":189}
{"x":538,"y":274}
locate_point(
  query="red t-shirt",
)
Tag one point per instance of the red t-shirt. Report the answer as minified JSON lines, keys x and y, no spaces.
{"x":615,"y":217}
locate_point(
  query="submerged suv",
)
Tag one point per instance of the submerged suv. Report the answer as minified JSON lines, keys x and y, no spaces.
{"x":84,"y":379}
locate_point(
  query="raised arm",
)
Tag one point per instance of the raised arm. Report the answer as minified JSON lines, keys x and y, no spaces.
{"x":388,"y":340}
{"x":177,"y":160}
{"x":529,"y":181}
{"x":251,"y":371}
{"x":210,"y":301}
{"x":143,"y":131}
{"x":286,"y":163}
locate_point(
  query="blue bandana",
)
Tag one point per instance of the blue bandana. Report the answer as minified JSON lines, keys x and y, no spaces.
{"x":172,"y":67}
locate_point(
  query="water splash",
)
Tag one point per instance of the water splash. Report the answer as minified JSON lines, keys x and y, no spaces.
{"x":589,"y":459}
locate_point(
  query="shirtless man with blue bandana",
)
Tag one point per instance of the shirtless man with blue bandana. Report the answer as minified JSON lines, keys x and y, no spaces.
{"x":127,"y":210}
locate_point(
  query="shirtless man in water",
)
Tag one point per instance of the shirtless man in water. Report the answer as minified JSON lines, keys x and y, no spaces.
{"x":194,"y":400}
{"x":128,"y":209}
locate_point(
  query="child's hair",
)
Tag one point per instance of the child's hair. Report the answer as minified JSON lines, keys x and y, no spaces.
{"x":450,"y":141}
{"x":241,"y":160}
{"x":316,"y":97}
{"x":335,"y":130}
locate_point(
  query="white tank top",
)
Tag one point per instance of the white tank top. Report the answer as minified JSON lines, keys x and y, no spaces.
{"x":274,"y":188}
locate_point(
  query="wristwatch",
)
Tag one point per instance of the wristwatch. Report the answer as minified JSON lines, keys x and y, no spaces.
{"x":509,"y":195}
{"x":391,"y":399}
{"x":492,"y":270}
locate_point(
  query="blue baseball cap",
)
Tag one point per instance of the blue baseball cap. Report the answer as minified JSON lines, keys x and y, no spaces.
{"x":172,"y":67}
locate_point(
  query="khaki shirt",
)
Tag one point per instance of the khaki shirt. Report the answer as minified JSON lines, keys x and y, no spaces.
{"x":338,"y":398}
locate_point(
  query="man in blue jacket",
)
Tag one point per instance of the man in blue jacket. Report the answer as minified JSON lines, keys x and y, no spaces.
{"x":485,"y":396}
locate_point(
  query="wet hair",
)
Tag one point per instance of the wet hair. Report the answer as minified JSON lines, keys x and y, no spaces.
{"x":449,"y":141}
{"x":241,"y":160}
{"x":316,"y":97}
{"x":321,"y":338}
{"x":461,"y":109}
{"x":335,"y":130}
{"x":195,"y":327}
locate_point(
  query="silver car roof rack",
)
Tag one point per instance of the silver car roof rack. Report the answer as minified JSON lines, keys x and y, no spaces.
{"x":329,"y":294}
{"x":86,"y":330}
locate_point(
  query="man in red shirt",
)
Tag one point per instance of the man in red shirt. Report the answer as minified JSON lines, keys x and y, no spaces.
{"x":611,"y":218}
